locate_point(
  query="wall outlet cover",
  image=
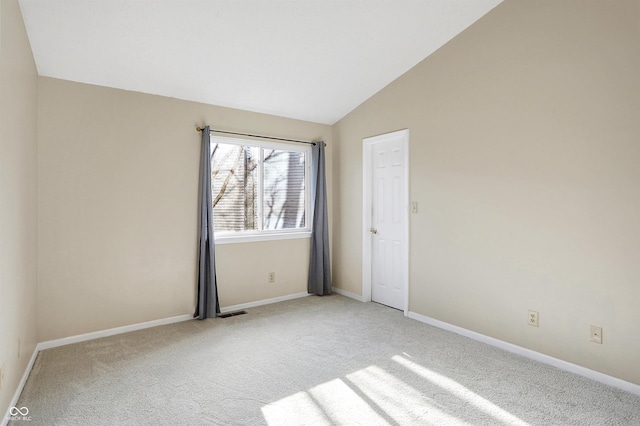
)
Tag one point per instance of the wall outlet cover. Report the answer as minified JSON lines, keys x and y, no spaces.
{"x":595,"y":334}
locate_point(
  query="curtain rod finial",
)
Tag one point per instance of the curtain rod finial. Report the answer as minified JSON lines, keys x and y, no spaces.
{"x":199,"y":129}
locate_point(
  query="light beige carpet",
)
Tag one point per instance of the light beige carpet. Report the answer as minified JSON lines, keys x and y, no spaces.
{"x":311,"y":361}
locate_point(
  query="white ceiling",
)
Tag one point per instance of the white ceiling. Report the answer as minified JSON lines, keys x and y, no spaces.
{"x":312,"y":60}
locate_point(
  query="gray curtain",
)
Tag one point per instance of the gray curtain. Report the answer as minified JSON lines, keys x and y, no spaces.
{"x":207,"y":305}
{"x":319,"y":267}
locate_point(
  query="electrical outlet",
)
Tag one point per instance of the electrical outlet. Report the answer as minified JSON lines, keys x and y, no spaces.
{"x":414,"y":207}
{"x":533,"y":318}
{"x":1,"y":375}
{"x":272,"y":277}
{"x":595,"y":334}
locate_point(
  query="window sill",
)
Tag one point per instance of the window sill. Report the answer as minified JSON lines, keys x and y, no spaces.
{"x":252,"y":238}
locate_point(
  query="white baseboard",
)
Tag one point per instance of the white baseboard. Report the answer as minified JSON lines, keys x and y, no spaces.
{"x":263,"y":302}
{"x":531,"y":354}
{"x":148,"y":324}
{"x":5,"y":420}
{"x":348,"y":294}
{"x":110,"y":332}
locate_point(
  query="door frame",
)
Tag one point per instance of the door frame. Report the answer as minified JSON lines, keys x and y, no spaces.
{"x":367,"y":190}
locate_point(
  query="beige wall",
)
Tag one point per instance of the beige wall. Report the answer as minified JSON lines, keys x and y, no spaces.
{"x":18,"y":198}
{"x":118,"y":178}
{"x":525,"y":160}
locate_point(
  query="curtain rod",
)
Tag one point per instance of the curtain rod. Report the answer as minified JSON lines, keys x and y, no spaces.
{"x":199,"y":129}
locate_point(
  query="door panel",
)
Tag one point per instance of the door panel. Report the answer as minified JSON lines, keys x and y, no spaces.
{"x":388,"y":220}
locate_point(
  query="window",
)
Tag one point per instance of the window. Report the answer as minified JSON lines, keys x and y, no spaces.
{"x":259,"y":190}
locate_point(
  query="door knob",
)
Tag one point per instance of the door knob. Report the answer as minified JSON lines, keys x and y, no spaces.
{"x":373,"y":230}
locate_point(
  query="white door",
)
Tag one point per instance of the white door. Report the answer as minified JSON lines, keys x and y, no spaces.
{"x":388,"y":211}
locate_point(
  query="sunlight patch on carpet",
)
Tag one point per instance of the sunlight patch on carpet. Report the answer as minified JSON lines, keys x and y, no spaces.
{"x":296,"y":409}
{"x":329,"y":403}
{"x":344,"y":405}
{"x":461,"y":392}
{"x":400,"y":401}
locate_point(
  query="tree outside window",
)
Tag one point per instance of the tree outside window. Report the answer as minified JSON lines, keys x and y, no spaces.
{"x":258,"y":188}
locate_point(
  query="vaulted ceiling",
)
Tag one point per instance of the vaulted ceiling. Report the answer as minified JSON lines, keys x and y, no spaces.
{"x":313,"y":60}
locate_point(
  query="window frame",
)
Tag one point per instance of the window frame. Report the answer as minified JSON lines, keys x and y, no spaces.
{"x":232,"y":237}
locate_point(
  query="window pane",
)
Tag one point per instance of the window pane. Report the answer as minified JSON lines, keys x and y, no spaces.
{"x":284,"y":199}
{"x":234,"y":184}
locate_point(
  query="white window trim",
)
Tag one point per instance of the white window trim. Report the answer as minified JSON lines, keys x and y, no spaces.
{"x":269,"y":235}
{"x":247,"y":237}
